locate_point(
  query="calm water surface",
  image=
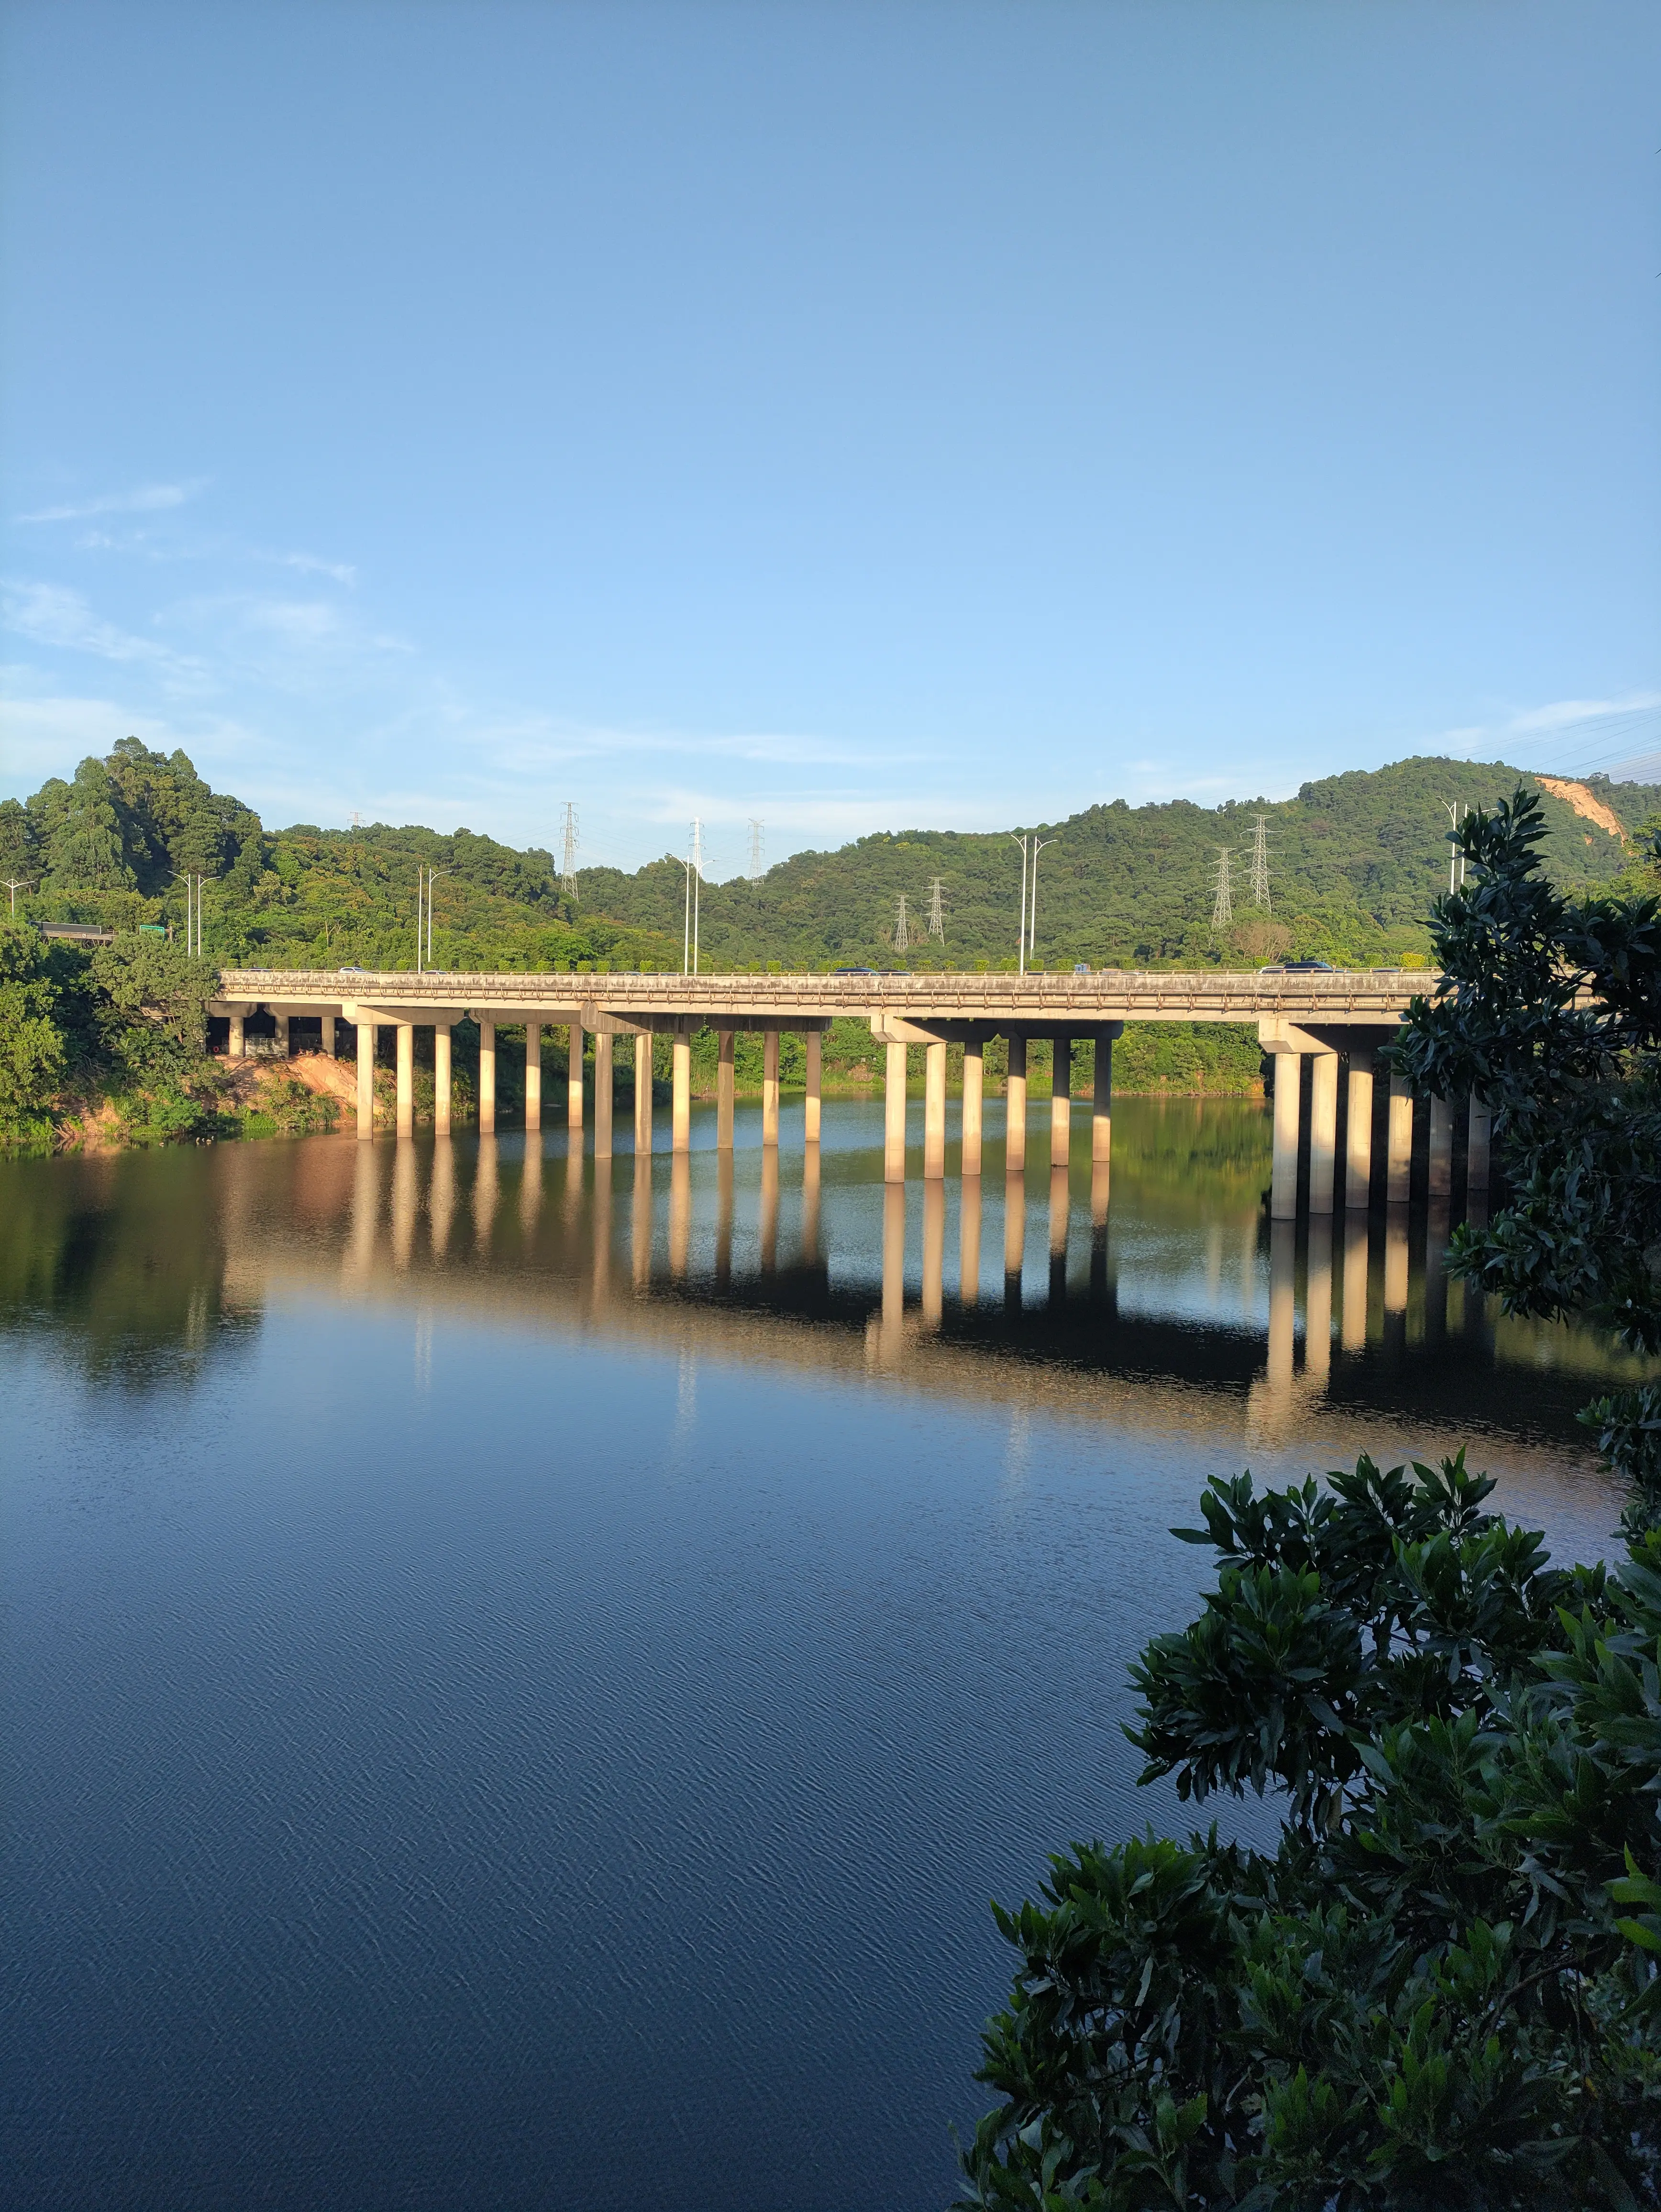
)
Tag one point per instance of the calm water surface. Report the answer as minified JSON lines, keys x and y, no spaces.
{"x":520,"y":1687}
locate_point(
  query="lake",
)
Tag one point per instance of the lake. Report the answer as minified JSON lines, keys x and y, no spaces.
{"x":520,"y":1685}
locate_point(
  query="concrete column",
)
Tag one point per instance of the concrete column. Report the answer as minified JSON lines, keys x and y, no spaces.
{"x":1317,"y":1300}
{"x":1283,"y":1189}
{"x":574,"y":1080}
{"x":969,"y":1241}
{"x":487,"y":1079}
{"x":442,"y":1084}
{"x":1478,"y":1155}
{"x":974,"y":1094}
{"x":1322,"y":1130}
{"x":725,"y":1043}
{"x":934,"y":1248}
{"x":1061,"y":1103}
{"x":643,"y":1097}
{"x":933,"y":1112}
{"x":1358,"y":1136}
{"x":405,"y":1078}
{"x":603,"y":1100}
{"x":893,"y":1124}
{"x":282,"y":1049}
{"x":532,"y":1075}
{"x":1101,"y":1110}
{"x":1399,"y":1163}
{"x":328,"y":1036}
{"x":1441,"y":1149}
{"x":1014,"y":1118}
{"x":815,"y":1057}
{"x":770,"y":1089}
{"x":681,"y":1112}
{"x":365,"y":1077}
{"x":236,"y":1047}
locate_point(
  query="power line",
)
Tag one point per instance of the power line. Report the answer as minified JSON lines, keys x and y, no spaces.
{"x":568,"y":858}
{"x":758,"y":847}
{"x":902,"y":928}
{"x":936,"y":915}
{"x":1222,"y":907}
{"x":1260,"y":863}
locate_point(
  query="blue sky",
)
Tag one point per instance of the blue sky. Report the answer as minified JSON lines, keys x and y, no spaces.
{"x":847,"y":416}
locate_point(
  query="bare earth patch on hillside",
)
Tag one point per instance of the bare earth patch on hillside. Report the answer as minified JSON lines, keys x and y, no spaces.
{"x":1589,"y":809}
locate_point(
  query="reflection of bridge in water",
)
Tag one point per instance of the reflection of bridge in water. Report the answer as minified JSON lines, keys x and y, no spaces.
{"x":1363,"y":1326}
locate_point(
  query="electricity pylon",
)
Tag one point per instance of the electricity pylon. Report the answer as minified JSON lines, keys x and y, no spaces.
{"x":1222,"y":907}
{"x":1260,"y":863}
{"x":758,"y":846}
{"x":568,"y":858}
{"x":901,"y":927}
{"x":936,"y":915}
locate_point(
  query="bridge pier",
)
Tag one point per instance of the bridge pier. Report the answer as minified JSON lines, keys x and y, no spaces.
{"x":1398,"y":1164}
{"x":1322,"y":1130}
{"x":1440,"y":1159}
{"x":974,"y":1098}
{"x":327,"y":1027}
{"x":933,"y":1113}
{"x":282,"y":1051}
{"x":365,"y":1078}
{"x":532,"y":1075}
{"x":603,"y":1094}
{"x":769,"y":1090}
{"x":815,"y":1058}
{"x":893,"y":1115}
{"x":1014,"y":1112}
{"x":680,"y":1114}
{"x":1014,"y":1235}
{"x":236,"y":1044}
{"x":1060,"y":1101}
{"x":442,"y":1083}
{"x":1101,"y":1105}
{"x":1288,"y":1109}
{"x":574,"y":1080}
{"x":1358,"y":1132}
{"x":643,"y":1095}
{"x":487,"y":1079}
{"x":406,"y":1079}
{"x":1479,"y":1145}
{"x":726,"y":1043}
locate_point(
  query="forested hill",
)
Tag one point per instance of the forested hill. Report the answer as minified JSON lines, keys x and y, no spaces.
{"x":1354,"y":861}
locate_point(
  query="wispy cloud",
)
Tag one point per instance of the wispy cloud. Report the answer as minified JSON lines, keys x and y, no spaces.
{"x":310,"y":564}
{"x":142,"y":499}
{"x":52,"y":614}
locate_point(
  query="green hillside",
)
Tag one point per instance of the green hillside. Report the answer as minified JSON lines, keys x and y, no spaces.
{"x":1355,"y":862}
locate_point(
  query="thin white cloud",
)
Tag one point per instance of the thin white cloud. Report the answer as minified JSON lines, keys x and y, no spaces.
{"x":310,"y":564}
{"x":144,"y":499}
{"x":52,"y":614}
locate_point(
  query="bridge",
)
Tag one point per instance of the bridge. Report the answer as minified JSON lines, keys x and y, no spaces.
{"x":1321,"y":1017}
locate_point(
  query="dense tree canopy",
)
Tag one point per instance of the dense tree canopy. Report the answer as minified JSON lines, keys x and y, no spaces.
{"x":1441,"y":1989}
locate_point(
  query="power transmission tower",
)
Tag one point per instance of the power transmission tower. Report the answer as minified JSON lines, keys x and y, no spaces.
{"x":936,"y":915}
{"x":568,"y":857}
{"x":758,"y":846}
{"x":14,"y":886}
{"x":901,"y":927}
{"x":1222,"y":907}
{"x":1260,"y":863}
{"x":1454,"y":808}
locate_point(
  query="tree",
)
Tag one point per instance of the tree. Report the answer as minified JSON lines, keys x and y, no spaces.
{"x":85,"y":850}
{"x":32,"y":1045}
{"x":1441,"y":1989}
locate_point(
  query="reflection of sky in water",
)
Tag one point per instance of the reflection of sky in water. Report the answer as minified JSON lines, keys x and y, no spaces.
{"x":523,"y":1682}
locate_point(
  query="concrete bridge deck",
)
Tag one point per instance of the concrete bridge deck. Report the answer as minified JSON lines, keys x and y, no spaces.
{"x":1317,"y":1016}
